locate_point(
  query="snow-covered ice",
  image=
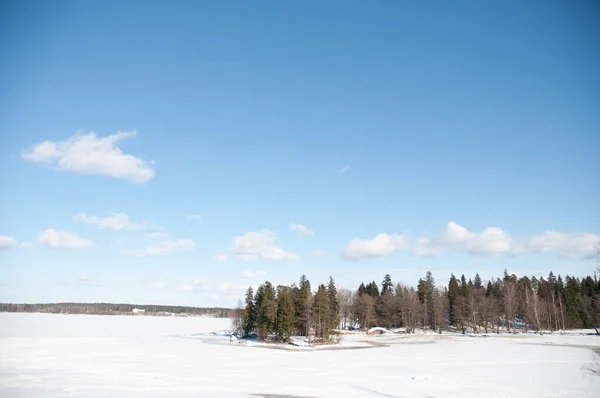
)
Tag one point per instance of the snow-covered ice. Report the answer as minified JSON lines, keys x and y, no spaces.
{"x":44,"y":355}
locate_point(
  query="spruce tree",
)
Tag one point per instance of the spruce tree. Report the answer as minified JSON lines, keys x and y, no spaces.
{"x":303,"y":304}
{"x":321,"y":312}
{"x":249,"y":312}
{"x":453,"y":292}
{"x":266,"y":310}
{"x":334,"y":319}
{"x":286,"y":318}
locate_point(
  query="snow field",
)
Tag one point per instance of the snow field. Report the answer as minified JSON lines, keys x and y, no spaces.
{"x":44,"y":355}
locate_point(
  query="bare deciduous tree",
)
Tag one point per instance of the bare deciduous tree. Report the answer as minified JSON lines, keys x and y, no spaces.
{"x":345,"y":299}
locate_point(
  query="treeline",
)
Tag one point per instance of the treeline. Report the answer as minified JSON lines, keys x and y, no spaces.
{"x":464,"y":305}
{"x":506,"y":303}
{"x":113,"y":309}
{"x":284,"y":311}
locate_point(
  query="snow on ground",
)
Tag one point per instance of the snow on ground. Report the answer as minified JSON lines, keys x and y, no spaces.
{"x":44,"y":355}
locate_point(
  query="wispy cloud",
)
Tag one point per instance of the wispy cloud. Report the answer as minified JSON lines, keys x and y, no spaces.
{"x":193,"y":285}
{"x":116,"y":222}
{"x":163,"y":248}
{"x":301,"y":230}
{"x":155,"y":235}
{"x":260,"y":245}
{"x":344,"y":169}
{"x":379,"y":246}
{"x":194,"y":217}
{"x":494,"y":241}
{"x":7,"y":242}
{"x":89,"y":154}
{"x":63,"y":239}
{"x":253,"y":274}
{"x":221,"y":257}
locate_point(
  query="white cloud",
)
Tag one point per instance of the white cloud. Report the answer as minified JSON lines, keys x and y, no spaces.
{"x":228,"y":286}
{"x":163,"y":247}
{"x":221,"y":257}
{"x":88,"y":154}
{"x":253,"y":274}
{"x":316,"y":252}
{"x":7,"y":242}
{"x":159,"y":285}
{"x":26,"y":245}
{"x":565,"y":245}
{"x":194,"y":217}
{"x":260,"y":245}
{"x":155,"y":235}
{"x":63,"y":239}
{"x":344,"y":169}
{"x":193,"y":285}
{"x":301,"y":230}
{"x":84,"y":277}
{"x":381,"y":245}
{"x":494,"y":241}
{"x":117,"y":222}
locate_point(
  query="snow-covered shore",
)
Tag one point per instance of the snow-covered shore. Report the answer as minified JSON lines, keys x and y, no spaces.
{"x":46,"y":355}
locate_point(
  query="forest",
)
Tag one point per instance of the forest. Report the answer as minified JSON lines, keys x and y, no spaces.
{"x":112,"y":309}
{"x":506,"y":304}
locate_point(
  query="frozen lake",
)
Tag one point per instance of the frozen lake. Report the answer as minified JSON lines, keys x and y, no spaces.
{"x":44,"y":355}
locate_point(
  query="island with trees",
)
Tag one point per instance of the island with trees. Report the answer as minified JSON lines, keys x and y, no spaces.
{"x":507,"y":304}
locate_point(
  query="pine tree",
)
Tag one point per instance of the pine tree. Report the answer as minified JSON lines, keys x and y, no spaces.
{"x":266,"y":310}
{"x":303,"y":306}
{"x":453,"y":293}
{"x":249,"y":312}
{"x":321,"y":313}
{"x":386,"y":284}
{"x":286,"y":318}
{"x":477,"y":282}
{"x":334,"y":319}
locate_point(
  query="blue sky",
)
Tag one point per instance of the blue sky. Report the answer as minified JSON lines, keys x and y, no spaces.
{"x":160,"y":153}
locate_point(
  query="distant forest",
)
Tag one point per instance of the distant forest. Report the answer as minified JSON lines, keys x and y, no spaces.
{"x":113,"y":309}
{"x":462,"y":305}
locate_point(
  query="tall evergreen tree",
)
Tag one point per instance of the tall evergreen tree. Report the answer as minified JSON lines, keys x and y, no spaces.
{"x":321,"y":310}
{"x":266,"y":310}
{"x":303,"y":304}
{"x":453,"y":293}
{"x":334,"y":319}
{"x":286,"y":318}
{"x":386,"y":284}
{"x":249,"y":312}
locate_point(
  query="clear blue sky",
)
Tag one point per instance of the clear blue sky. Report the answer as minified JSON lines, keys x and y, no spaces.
{"x":398,"y":136}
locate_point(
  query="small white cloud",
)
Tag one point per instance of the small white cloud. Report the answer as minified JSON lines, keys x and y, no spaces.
{"x":423,"y":247}
{"x":84,"y":277}
{"x":381,"y":245}
{"x":193,"y":285}
{"x":155,"y":235}
{"x":27,"y":245}
{"x":7,"y":242}
{"x":316,"y":253}
{"x":116,"y":222}
{"x":221,"y":257}
{"x":159,"y":285}
{"x":63,"y":239}
{"x":344,"y":169}
{"x":301,"y":230}
{"x":228,"y":286}
{"x":88,"y":154}
{"x":194,"y":217}
{"x":253,"y":274}
{"x":163,"y":248}
{"x":260,"y":245}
